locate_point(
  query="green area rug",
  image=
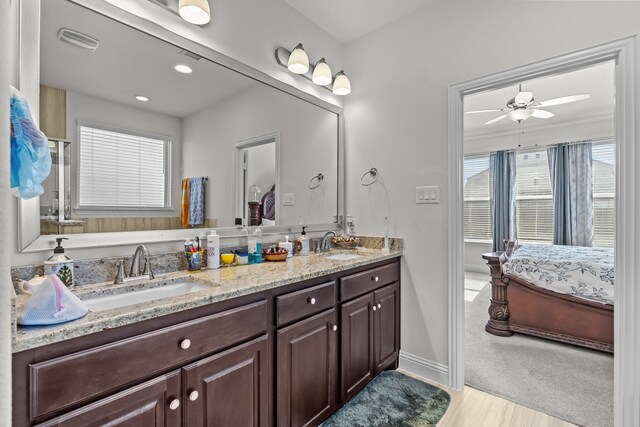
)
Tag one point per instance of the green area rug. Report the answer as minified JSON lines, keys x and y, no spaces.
{"x":393,"y":399}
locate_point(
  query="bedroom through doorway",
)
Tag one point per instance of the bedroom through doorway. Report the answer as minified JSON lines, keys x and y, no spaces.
{"x":539,"y":232}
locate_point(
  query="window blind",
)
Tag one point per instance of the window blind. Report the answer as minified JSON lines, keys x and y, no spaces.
{"x":604,"y":179}
{"x":477,"y":198}
{"x":534,"y":201}
{"x":118,"y":170}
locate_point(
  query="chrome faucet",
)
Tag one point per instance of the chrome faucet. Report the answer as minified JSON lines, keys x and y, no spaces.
{"x":323,"y":243}
{"x":134,"y":271}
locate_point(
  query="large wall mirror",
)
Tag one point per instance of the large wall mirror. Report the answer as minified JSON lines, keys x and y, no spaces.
{"x":147,"y":135}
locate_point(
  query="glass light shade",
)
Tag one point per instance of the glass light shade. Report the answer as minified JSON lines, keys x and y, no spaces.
{"x":322,"y":75}
{"x":341,"y":84}
{"x":298,"y":60}
{"x":195,"y":11}
{"x":519,"y":114}
{"x":254,"y":193}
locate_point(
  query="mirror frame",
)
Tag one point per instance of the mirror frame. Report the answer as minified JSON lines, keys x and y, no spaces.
{"x":28,"y":221}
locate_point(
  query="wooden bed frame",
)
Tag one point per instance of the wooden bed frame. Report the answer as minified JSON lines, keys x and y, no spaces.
{"x":520,"y":306}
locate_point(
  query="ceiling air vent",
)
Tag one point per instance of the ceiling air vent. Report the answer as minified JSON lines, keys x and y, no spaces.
{"x":78,"y":39}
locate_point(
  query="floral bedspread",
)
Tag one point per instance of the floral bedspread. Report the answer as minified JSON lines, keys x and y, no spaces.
{"x":582,"y":272}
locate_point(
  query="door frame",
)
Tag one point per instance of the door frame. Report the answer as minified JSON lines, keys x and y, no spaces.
{"x":625,"y":54}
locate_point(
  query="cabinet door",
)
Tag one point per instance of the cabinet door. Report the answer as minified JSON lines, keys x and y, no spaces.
{"x":386,"y":327}
{"x":229,"y":389}
{"x":307,"y":371}
{"x":357,"y":345}
{"x":155,"y":403}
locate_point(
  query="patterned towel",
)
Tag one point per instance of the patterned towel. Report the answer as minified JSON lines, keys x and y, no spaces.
{"x":196,"y":202}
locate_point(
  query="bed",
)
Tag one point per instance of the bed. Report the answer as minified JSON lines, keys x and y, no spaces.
{"x":564,"y":293}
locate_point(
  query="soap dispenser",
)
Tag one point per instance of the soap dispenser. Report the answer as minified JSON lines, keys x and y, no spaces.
{"x":302,"y":244}
{"x":60,"y":264}
{"x":255,"y":246}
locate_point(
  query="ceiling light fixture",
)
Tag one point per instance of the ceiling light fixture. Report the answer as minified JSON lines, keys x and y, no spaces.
{"x":195,"y":11}
{"x":142,"y":98}
{"x":520,"y":114}
{"x":322,"y":75}
{"x":341,"y":84}
{"x":298,"y":60}
{"x":184,"y":69}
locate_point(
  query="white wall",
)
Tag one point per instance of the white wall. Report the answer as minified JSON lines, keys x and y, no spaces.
{"x":396,"y":120}
{"x":308,"y":145}
{"x":82,"y":107}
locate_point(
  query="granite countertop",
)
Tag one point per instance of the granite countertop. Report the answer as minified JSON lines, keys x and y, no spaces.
{"x":226,"y":283}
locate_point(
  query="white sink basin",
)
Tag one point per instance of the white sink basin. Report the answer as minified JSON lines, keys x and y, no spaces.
{"x":109,"y":302}
{"x":344,"y":257}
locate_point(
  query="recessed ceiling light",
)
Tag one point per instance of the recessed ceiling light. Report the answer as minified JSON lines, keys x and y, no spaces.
{"x":142,"y":98}
{"x":184,"y":69}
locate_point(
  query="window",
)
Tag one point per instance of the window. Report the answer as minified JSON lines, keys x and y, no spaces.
{"x":534,"y":201}
{"x":477,"y":198}
{"x":122,"y":170}
{"x":604,"y":179}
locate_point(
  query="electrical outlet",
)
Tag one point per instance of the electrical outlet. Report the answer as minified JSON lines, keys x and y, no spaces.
{"x":288,"y":199}
{"x":428,"y":194}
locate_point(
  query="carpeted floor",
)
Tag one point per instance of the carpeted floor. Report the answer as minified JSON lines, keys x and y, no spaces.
{"x":393,"y":399}
{"x":568,"y":382}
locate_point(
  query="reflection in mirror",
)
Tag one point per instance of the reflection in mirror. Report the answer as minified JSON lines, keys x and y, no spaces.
{"x":148,"y":136}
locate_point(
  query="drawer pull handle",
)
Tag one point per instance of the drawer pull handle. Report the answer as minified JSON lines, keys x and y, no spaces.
{"x":379,"y":305}
{"x":312,"y":301}
{"x":375,"y":278}
{"x":374,"y":307}
{"x":185,"y":344}
{"x":334,"y":327}
{"x":174,"y":404}
{"x":193,"y":396}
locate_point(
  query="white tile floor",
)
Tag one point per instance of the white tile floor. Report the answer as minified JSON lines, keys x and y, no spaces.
{"x":473,"y":284}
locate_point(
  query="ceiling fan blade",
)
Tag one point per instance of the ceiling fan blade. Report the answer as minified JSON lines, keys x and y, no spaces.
{"x":562,"y":100}
{"x":494,"y":110}
{"x":496,"y":119}
{"x":542,"y":114}
{"x":523,"y":98}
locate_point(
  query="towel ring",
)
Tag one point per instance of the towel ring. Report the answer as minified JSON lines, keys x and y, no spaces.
{"x":318,"y":178}
{"x":374,"y":174}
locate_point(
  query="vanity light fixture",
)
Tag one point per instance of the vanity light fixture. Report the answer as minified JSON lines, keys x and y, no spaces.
{"x":195,"y":11}
{"x":322,"y":75}
{"x":298,"y":60}
{"x":341,"y":84}
{"x":142,"y":98}
{"x":184,"y":69}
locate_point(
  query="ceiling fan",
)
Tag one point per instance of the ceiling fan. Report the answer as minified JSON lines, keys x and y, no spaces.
{"x":523,"y":106}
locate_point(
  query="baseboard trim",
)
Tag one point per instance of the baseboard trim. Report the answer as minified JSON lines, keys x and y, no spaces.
{"x":432,"y":371}
{"x":476,"y":269}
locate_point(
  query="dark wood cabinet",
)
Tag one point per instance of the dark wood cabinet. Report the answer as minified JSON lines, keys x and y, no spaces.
{"x":357,"y":345}
{"x":155,"y":403}
{"x":307,"y":365}
{"x":229,"y":389}
{"x":386,"y":318}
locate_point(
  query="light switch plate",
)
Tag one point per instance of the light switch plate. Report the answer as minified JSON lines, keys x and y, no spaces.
{"x":288,"y":199}
{"x":429,"y":194}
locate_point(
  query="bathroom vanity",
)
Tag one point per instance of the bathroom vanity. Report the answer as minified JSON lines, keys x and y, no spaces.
{"x":282,"y":344}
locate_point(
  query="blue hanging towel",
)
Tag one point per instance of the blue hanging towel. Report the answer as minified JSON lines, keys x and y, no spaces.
{"x":196,"y":202}
{"x":30,"y":155}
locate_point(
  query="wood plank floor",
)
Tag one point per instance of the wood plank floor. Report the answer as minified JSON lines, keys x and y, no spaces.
{"x":474,"y":408}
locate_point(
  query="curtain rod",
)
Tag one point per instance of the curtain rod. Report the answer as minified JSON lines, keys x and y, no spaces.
{"x":536,"y":147}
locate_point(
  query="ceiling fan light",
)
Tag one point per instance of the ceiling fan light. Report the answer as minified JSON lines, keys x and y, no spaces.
{"x":322,"y":75}
{"x":298,"y":60}
{"x":519,"y":114}
{"x":195,"y":11}
{"x":341,"y":84}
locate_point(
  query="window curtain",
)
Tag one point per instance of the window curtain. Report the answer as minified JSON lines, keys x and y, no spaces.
{"x":570,"y":166}
{"x":503,"y":205}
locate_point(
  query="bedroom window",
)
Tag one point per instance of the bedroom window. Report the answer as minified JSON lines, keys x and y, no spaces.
{"x":122,"y":170}
{"x":534,"y":201}
{"x":604,"y":214}
{"x":477,"y":198}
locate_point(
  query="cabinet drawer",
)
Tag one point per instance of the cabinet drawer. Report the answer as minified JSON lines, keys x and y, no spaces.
{"x":304,"y":303}
{"x":71,"y":379}
{"x":367,"y":281}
